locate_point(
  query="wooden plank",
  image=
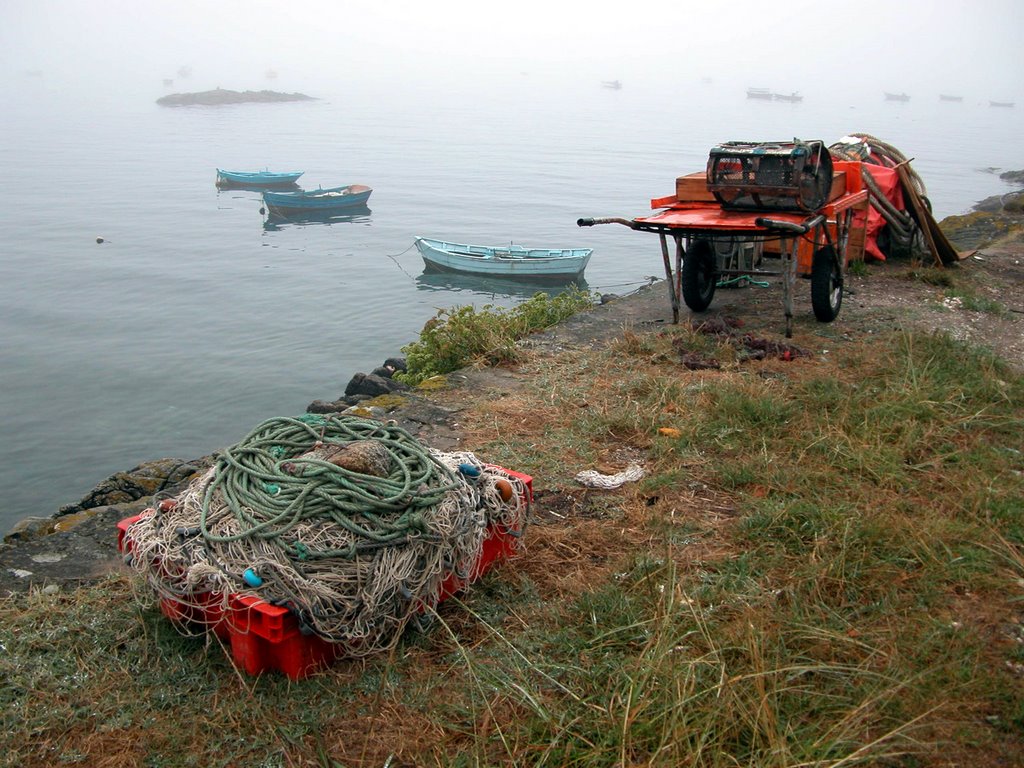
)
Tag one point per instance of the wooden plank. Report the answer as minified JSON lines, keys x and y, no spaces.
{"x":838,"y":186}
{"x":942,"y":250}
{"x":693,"y":187}
{"x":855,"y":245}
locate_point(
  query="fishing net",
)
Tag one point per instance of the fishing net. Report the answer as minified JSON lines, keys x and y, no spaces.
{"x":349,"y":523}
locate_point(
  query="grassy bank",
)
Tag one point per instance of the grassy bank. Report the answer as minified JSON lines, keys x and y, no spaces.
{"x":821,"y":567}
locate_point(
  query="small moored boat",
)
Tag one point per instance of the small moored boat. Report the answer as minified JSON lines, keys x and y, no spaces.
{"x":794,"y":96}
{"x":256,"y":178}
{"x":949,"y":97}
{"x":896,"y":97}
{"x":504,"y":261}
{"x":759,"y":93}
{"x":316,"y":200}
{"x":1000,"y":103}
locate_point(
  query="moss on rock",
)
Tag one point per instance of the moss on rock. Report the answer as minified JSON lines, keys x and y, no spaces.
{"x":386,"y":402}
{"x":434,"y":383}
{"x":981,"y":228}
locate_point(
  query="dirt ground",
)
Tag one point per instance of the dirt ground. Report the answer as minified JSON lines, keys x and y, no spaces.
{"x":879,"y":297}
{"x":890,"y":293}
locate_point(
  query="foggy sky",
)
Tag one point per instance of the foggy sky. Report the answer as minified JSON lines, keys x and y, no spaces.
{"x":952,"y":47}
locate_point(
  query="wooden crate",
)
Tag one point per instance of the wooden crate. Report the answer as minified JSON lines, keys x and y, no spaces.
{"x":693,"y":188}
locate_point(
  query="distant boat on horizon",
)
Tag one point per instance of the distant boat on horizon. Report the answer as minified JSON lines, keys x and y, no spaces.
{"x":794,"y":96}
{"x":1000,"y":103}
{"x":947,"y":97}
{"x":896,"y":97}
{"x":615,"y":85}
{"x":759,"y":93}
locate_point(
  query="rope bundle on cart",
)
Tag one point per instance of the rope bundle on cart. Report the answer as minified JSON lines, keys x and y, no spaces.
{"x":872,"y":150}
{"x":350,"y":523}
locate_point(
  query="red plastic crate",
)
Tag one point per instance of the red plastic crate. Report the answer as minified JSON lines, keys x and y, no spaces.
{"x":266,"y":637}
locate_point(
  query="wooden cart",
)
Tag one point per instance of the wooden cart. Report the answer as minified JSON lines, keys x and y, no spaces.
{"x":716,"y":246}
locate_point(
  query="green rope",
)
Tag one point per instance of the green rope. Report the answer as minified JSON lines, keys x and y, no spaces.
{"x":725,"y":283}
{"x":268,"y":494}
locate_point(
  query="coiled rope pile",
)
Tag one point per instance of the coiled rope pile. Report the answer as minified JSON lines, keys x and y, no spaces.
{"x":903,"y":228}
{"x":353,"y":550}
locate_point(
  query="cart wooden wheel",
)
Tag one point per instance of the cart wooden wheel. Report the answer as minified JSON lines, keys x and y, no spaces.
{"x":826,"y":284}
{"x":700,"y":275}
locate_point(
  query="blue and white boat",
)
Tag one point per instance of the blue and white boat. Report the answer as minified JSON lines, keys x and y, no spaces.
{"x":318,"y":201}
{"x":504,"y":261}
{"x":261,"y":179}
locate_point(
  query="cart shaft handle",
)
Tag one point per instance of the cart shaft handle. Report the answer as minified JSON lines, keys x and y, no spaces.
{"x":789,"y":226}
{"x":613,"y":220}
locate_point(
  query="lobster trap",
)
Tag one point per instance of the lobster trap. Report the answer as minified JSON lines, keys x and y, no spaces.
{"x":770,"y":176}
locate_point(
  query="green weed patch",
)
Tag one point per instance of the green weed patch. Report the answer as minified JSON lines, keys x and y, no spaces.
{"x":465,"y":335}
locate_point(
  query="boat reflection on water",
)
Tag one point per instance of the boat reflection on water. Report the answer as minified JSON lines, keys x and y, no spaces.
{"x":476,"y":285}
{"x":231,"y":186}
{"x":355,"y":215}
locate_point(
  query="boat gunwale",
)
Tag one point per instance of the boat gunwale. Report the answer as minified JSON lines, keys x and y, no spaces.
{"x":321,"y":192}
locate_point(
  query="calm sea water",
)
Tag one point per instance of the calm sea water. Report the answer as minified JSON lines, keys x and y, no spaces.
{"x":193,"y":322}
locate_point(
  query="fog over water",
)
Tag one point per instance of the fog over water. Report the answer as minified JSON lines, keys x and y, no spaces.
{"x":195,"y":319}
{"x":955,"y":46}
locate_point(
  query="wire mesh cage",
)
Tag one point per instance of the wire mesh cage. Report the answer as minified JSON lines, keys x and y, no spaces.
{"x":782,"y":176}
